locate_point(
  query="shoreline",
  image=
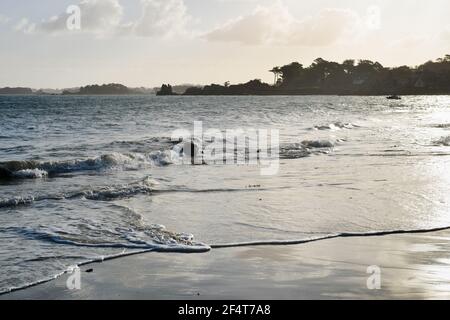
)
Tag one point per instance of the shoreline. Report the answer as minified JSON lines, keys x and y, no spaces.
{"x":412,"y":266}
{"x":225,"y":95}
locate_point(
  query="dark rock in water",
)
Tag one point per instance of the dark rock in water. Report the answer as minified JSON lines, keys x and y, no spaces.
{"x":5,"y":174}
{"x":90,"y":270}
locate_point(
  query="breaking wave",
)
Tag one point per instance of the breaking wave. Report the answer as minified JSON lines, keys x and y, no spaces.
{"x":444,"y":141}
{"x":146,"y":186}
{"x":31,"y":169}
{"x":184,"y":150}
{"x":318,"y":144}
{"x":306,"y":148}
{"x":30,"y":174}
{"x":336,"y":126}
{"x":35,"y":169}
{"x":441,"y":126}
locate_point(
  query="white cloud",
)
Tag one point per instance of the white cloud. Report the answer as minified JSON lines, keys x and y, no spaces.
{"x":159,"y":18}
{"x":275,"y":25}
{"x":97,"y":16}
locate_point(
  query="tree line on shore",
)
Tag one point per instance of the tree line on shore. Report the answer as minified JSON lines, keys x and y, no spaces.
{"x":362,"y":77}
{"x":351,"y":77}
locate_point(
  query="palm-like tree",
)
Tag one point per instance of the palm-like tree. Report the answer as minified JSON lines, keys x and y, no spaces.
{"x":277,"y":73}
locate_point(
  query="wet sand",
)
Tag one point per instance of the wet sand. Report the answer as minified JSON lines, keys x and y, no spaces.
{"x":413,"y":266}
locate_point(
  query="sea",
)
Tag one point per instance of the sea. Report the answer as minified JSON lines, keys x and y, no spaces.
{"x":90,"y":178}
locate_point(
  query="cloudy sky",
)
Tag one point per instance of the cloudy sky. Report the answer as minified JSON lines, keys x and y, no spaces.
{"x":149,"y":42}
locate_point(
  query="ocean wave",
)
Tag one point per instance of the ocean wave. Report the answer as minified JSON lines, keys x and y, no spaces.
{"x":30,"y":174}
{"x":34,"y":169}
{"x":294,"y":151}
{"x":108,"y":193}
{"x":179,"y":153}
{"x":336,"y":126}
{"x":444,"y":141}
{"x":17,"y":201}
{"x":306,"y":148}
{"x":69,"y":270}
{"x":129,"y":232}
{"x":318,"y":144}
{"x":144,"y":145}
{"x":441,"y":126}
{"x":116,"y":192}
{"x":146,"y":186}
{"x":5,"y":173}
{"x":148,"y":142}
{"x":153,"y":238}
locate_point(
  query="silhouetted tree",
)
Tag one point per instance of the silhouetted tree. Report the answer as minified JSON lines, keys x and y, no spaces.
{"x":291,"y":72}
{"x":166,"y":90}
{"x":327,"y":77}
{"x":276,"y":72}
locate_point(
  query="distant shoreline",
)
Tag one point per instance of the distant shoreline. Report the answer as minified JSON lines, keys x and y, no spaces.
{"x":321,"y":78}
{"x":221,"y":95}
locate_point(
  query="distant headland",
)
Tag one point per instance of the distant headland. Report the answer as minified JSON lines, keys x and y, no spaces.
{"x":106,"y":89}
{"x":21,"y":91}
{"x":322,"y":77}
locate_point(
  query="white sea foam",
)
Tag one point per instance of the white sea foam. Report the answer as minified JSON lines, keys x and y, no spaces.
{"x":30,"y":174}
{"x":336,"y":126}
{"x":16,"y":201}
{"x":306,"y":148}
{"x":35,"y":169}
{"x":163,"y":241}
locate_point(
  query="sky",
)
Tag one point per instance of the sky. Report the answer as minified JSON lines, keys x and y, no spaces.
{"x":150,"y":42}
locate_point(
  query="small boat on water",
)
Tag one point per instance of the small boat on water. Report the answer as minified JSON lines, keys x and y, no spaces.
{"x":394,"y":97}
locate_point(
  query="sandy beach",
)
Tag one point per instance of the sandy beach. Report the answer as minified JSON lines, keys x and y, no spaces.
{"x":412,"y":267}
